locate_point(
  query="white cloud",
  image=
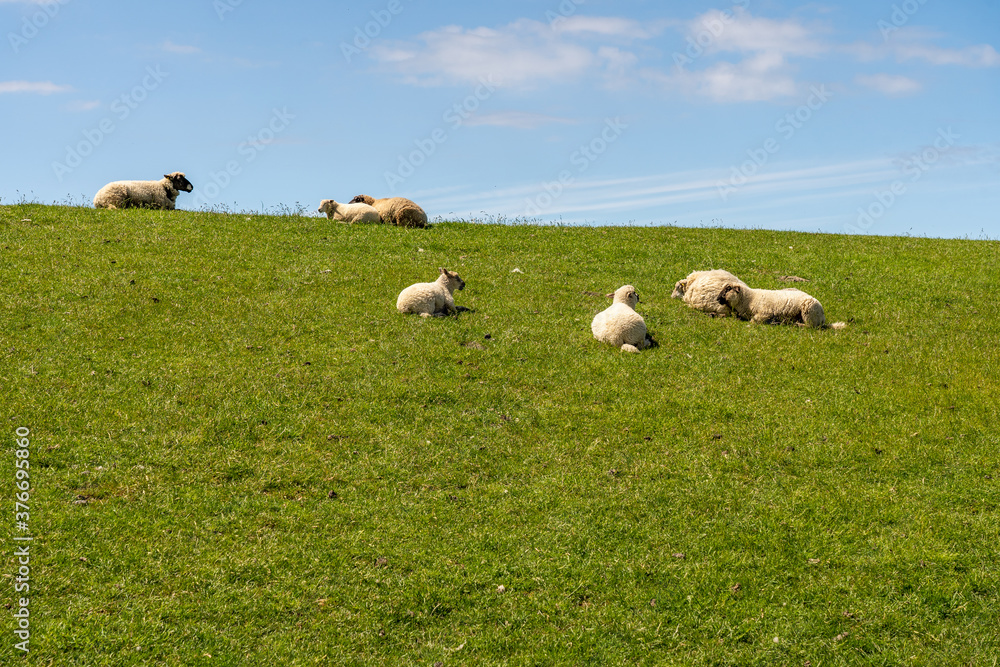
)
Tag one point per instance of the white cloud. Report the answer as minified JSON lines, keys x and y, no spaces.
{"x":917,"y":44}
{"x":764,"y":46}
{"x":520,"y":54}
{"x":887,"y":84}
{"x":608,"y":26}
{"x":742,"y":33}
{"x":36,"y":87}
{"x":760,"y":77}
{"x":982,"y":55}
{"x":522,"y":120}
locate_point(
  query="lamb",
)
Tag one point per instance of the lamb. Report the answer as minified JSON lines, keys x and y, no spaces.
{"x":431,"y":298}
{"x":349,"y":212}
{"x":620,"y":325}
{"x":396,"y":210}
{"x":160,"y":194}
{"x":786,"y":306}
{"x":701,"y":290}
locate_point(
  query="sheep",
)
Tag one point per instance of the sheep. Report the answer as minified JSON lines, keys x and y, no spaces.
{"x":431,"y":298}
{"x":785,"y":306}
{"x":396,"y":210}
{"x":349,"y":212}
{"x":160,"y":194}
{"x":701,"y":289}
{"x":620,"y":325}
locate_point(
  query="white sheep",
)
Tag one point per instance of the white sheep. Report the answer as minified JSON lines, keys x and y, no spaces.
{"x":701,"y":290}
{"x":349,"y":212}
{"x":396,"y":210}
{"x":620,"y":325}
{"x":785,"y":306}
{"x":160,"y":194}
{"x":431,"y":298}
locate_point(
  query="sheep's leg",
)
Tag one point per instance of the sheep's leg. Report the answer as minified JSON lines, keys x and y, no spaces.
{"x":627,"y":347}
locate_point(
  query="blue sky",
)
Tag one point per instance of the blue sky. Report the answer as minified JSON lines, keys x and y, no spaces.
{"x":844,"y":117}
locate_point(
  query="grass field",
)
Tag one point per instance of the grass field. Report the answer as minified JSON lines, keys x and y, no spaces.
{"x":242,"y":455}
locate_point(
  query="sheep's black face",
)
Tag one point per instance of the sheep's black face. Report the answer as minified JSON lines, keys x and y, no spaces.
{"x":180,"y":182}
{"x":729,"y":295}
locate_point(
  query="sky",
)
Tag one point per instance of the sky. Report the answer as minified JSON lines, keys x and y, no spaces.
{"x":847,"y":117}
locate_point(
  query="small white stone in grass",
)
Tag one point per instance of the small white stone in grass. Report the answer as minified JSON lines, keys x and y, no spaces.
{"x":516,"y":270}
{"x":777,"y":641}
{"x":501,"y":589}
{"x":420,"y":249}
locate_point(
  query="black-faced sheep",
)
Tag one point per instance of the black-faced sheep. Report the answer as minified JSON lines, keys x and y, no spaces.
{"x":395,"y":210}
{"x":160,"y":194}
{"x":431,"y":298}
{"x":701,"y":290}
{"x":786,"y":306}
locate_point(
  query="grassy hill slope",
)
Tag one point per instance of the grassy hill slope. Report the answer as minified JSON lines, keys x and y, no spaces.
{"x":240,"y":450}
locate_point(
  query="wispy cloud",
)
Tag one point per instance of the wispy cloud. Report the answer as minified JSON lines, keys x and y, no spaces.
{"x":919,"y":44}
{"x":520,"y":54}
{"x":522,"y":120}
{"x":607,"y":26}
{"x":739,"y":57}
{"x":34,"y":87}
{"x":742,"y":32}
{"x":81,"y":106}
{"x":181,"y":49}
{"x":763,"y":49}
{"x":887,"y":84}
{"x":620,"y":197}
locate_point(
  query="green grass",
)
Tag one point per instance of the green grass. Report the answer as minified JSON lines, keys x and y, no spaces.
{"x":240,"y":449}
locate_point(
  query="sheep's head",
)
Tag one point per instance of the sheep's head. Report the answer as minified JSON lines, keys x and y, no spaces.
{"x":730,"y":295}
{"x":680,"y":287}
{"x":327,"y":206}
{"x":454,"y":282}
{"x":363,"y":199}
{"x":179,"y":181}
{"x":626,"y":294}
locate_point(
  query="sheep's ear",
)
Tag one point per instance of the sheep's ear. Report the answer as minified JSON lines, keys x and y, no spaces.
{"x":443,"y":270}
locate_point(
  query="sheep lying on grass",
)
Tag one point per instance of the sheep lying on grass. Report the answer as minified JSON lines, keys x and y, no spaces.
{"x":786,"y":306}
{"x":396,"y":210}
{"x":620,"y":325}
{"x":701,"y":290}
{"x":160,"y":194}
{"x":431,"y":298}
{"x":349,"y":212}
